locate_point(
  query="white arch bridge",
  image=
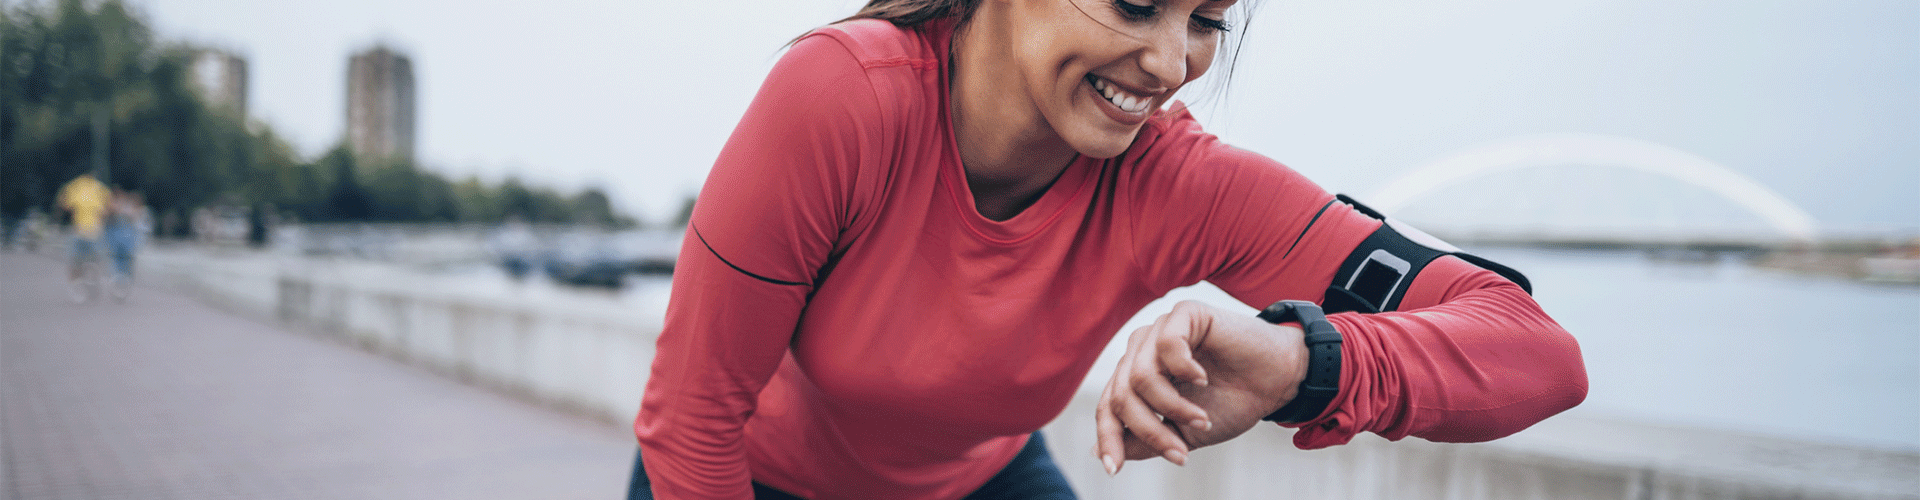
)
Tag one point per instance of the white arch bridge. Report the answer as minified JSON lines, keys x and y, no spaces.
{"x":1591,"y":189}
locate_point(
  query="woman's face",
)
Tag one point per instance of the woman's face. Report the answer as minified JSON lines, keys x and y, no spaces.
{"x":1096,"y":69}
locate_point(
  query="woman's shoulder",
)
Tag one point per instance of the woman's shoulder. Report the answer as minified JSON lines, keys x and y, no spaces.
{"x":1175,"y":160}
{"x":896,"y":69}
{"x":1173,"y":143}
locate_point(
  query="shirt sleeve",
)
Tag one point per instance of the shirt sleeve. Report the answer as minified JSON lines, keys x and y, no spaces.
{"x":766,"y":221}
{"x":1469,"y":357}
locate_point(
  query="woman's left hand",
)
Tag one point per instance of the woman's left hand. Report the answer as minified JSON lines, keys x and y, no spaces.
{"x":1197,"y":376}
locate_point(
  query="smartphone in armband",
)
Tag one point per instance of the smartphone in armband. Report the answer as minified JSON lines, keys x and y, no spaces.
{"x":1379,"y":276}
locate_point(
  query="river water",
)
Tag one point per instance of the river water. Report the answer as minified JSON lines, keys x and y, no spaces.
{"x":1727,"y":345}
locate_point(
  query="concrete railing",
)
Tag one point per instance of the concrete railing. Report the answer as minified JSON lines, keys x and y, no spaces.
{"x":592,"y":358}
{"x":1571,"y":456}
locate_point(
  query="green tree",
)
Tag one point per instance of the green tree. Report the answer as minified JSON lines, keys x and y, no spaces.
{"x":475,"y":202}
{"x":85,"y":86}
{"x":88,"y":89}
{"x":346,"y":200}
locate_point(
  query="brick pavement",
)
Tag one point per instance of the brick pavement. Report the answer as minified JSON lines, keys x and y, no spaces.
{"x":162,"y":397}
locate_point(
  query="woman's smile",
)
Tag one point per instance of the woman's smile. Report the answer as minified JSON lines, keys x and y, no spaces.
{"x":1121,"y":104}
{"x":1125,"y":100}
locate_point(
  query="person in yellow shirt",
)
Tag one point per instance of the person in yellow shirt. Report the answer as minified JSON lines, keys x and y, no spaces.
{"x":87,"y":199}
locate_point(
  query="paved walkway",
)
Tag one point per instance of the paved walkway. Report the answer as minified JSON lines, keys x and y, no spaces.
{"x":161,"y":397}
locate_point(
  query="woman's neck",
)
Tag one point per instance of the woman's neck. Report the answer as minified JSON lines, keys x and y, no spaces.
{"x":1010,"y":152}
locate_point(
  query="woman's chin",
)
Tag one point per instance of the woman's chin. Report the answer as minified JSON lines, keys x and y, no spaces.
{"x":1100,"y":140}
{"x":1105,"y":147}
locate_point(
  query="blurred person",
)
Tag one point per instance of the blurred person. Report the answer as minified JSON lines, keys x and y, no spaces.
{"x":936,"y":214}
{"x":125,"y":217}
{"x":261,"y":219}
{"x":204,"y":225}
{"x":33,"y":229}
{"x":85,"y":199}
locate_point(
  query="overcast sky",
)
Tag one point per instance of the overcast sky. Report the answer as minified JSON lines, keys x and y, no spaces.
{"x":1816,"y":100}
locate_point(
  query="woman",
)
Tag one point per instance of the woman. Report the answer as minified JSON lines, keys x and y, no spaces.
{"x":934,"y":216}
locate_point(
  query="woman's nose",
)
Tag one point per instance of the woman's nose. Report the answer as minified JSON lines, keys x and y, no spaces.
{"x":1165,"y":56}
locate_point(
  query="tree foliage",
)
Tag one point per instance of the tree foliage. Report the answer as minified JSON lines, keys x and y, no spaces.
{"x":72,"y":71}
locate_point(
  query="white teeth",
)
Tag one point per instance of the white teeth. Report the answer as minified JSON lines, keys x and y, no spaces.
{"x":1126,"y":102}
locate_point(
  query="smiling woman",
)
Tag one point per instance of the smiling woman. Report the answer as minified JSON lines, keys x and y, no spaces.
{"x":935,"y":215}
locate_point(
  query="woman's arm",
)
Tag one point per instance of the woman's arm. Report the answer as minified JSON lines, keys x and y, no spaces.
{"x":1470,"y":357}
{"x":769,"y":217}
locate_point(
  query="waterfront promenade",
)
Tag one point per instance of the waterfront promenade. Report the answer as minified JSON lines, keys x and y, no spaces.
{"x":328,"y":377}
{"x":162,"y":397}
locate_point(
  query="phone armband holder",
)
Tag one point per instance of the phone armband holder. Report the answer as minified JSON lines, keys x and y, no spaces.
{"x":1376,"y":275}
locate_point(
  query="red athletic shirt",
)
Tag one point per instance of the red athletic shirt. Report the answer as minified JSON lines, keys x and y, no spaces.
{"x":844,"y":323}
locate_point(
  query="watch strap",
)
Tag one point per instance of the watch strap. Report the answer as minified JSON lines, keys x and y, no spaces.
{"x":1322,"y":382}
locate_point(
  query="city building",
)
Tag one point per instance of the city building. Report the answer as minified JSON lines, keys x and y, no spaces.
{"x":380,"y":105}
{"x":221,"y":78}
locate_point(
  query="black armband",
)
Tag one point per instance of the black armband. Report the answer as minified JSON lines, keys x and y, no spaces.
{"x":1322,"y":382}
{"x":1376,"y":275}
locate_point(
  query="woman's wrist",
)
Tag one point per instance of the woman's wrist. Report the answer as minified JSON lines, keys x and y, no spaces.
{"x":1315,"y":365}
{"x":1290,"y":358}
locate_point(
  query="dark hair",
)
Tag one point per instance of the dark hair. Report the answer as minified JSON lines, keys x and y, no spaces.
{"x":1229,"y":53}
{"x":908,"y":13}
{"x":913,"y":13}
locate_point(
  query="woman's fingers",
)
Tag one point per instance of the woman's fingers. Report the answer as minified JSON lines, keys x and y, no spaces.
{"x":1174,"y":343}
{"x":1172,"y":358}
{"x":1140,"y":401}
{"x":1152,"y":386}
{"x":1137,"y":449}
{"x":1143,"y":423}
{"x":1106,"y":427}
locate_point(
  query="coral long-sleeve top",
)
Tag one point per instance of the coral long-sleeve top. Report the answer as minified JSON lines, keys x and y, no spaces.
{"x":844,"y":323}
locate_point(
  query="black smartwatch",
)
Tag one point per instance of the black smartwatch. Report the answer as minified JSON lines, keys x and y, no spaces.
{"x":1323,"y":360}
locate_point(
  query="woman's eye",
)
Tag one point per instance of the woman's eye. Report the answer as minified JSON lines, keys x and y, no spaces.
{"x":1132,"y":10}
{"x":1204,"y":24}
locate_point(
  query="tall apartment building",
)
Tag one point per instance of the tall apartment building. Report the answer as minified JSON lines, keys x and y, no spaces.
{"x":222,"y":80}
{"x":380,"y":103}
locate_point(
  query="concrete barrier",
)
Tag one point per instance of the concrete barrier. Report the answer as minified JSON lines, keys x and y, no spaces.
{"x":588,"y":358}
{"x":592,"y":357}
{"x":1571,"y":456}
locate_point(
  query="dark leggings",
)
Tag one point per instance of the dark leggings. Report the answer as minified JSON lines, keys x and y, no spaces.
{"x":1031,"y":475}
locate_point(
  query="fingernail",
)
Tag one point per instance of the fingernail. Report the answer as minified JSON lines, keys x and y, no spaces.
{"x":1112,"y":468}
{"x":1177,"y":457}
{"x":1201,"y":382}
{"x":1200,"y":423}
